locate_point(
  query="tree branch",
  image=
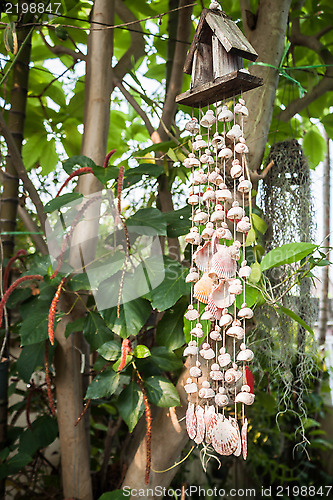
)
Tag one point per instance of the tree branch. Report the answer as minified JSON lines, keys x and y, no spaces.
{"x":323,"y":32}
{"x":31,"y":226}
{"x":61,"y":50}
{"x":135,"y":105}
{"x":21,"y":171}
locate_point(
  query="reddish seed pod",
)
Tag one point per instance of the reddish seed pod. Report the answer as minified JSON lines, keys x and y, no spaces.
{"x":52,"y":310}
{"x":126,"y":348}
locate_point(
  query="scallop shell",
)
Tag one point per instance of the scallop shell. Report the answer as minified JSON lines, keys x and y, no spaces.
{"x":191,"y":314}
{"x":244,"y":439}
{"x":245,"y":397}
{"x":203,"y":257}
{"x":222,"y":263}
{"x":210,"y":420}
{"x":224,"y":436}
{"x":216,"y":311}
{"x":221,"y":297}
{"x":203,"y":288}
{"x":200,"y":434}
{"x":191,"y":421}
{"x":195,"y":372}
{"x":224,"y":359}
{"x":238,"y":450}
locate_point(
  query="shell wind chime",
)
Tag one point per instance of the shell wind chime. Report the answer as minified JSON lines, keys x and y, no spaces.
{"x":220,"y":385}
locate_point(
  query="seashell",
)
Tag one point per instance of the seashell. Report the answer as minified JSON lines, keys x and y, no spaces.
{"x":236,"y":171}
{"x":225,"y":115}
{"x":218,"y":213}
{"x":234,"y":250}
{"x":191,"y":314}
{"x":212,"y":176}
{"x":237,"y":107}
{"x":223,"y":194}
{"x":200,"y":217}
{"x":246,"y":71}
{"x":235,"y":132}
{"x":216,"y":375}
{"x":225,"y":153}
{"x":209,"y":194}
{"x":236,"y":331}
{"x":195,"y":372}
{"x":208,"y":231}
{"x":206,"y":393}
{"x":226,"y":318}
{"x":221,"y":400}
{"x":214,"y":5}
{"x":207,"y":315}
{"x":244,"y":186}
{"x":244,"y":438}
{"x":190,"y":387}
{"x":215,"y":335}
{"x":207,"y":353}
{"x":199,"y":143}
{"x":229,"y":376}
{"x":218,"y":141}
{"x":241,"y":101}
{"x":244,"y":111}
{"x":222,"y":263}
{"x":238,"y":450}
{"x":216,"y":311}
{"x":246,"y":388}
{"x":244,"y":271}
{"x":236,"y":212}
{"x":210,"y":418}
{"x":221,"y":297}
{"x":224,"y":232}
{"x":193,"y":237}
{"x":200,"y":434}
{"x":245,"y":312}
{"x":244,"y":225}
{"x":190,"y":350}
{"x":240,"y":147}
{"x":204,"y":157}
{"x":192,"y":276}
{"x":208,"y":119}
{"x":236,"y":287}
{"x":192,"y":161}
{"x":210,"y":159}
{"x":235,"y":162}
{"x":199,"y":177}
{"x":197,"y":331}
{"x":245,"y":355}
{"x":245,"y":397}
{"x":193,"y":199}
{"x":203,"y":288}
{"x":203,"y":257}
{"x":192,"y":126}
{"x":218,"y":180}
{"x":205,"y":383}
{"x":224,"y":359}
{"x":191,"y":421}
{"x":224,"y":436}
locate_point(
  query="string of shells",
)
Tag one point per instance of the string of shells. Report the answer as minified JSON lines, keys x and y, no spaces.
{"x":220,"y":385}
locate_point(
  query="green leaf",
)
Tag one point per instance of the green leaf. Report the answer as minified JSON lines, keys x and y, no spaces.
{"x":170,"y":329}
{"x":103,"y":385}
{"x":61,"y":201}
{"x":259,"y":223}
{"x":148,"y":221}
{"x":327,"y":121}
{"x":110,"y":350}
{"x":44,"y":431}
{"x":172,"y":155}
{"x":31,"y":357}
{"x":145,"y":169}
{"x":165,"y":360}
{"x":49,"y":157}
{"x":95,"y":330}
{"x":250,"y":237}
{"x":141,"y":351}
{"x":296,"y":318}
{"x":31,"y":150}
{"x":161,"y":392}
{"x":76,"y":162}
{"x":172,"y":287}
{"x":286,"y":254}
{"x":133,"y":315}
{"x":79,"y":282}
{"x":106,"y":174}
{"x":34,"y":328}
{"x":75,"y":326}
{"x":255,"y":273}
{"x":14,"y":464}
{"x":130,"y":404}
{"x":314,"y":146}
{"x":178,"y":222}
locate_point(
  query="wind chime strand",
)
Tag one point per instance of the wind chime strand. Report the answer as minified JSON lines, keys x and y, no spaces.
{"x":220,"y":383}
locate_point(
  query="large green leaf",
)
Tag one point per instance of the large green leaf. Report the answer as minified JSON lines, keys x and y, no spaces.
{"x":314,"y":146}
{"x":141,"y":351}
{"x":111,"y":350}
{"x":178,"y":222}
{"x":161,"y":392}
{"x":34,"y":328}
{"x":145,"y":169}
{"x":170,"y":328}
{"x":75,"y":162}
{"x":148,"y":221}
{"x":49,"y":157}
{"x":172,"y":287}
{"x":165,"y":360}
{"x":296,"y":318}
{"x":96,"y":331}
{"x":327,"y":121}
{"x":130,"y":404}
{"x":61,"y":201}
{"x":103,"y":385}
{"x":286,"y":254}
{"x":44,"y":431}
{"x":133,"y":315}
{"x":106,"y":174}
{"x":31,"y":357}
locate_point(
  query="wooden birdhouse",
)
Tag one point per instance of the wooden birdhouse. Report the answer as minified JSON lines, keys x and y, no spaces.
{"x":215,"y":61}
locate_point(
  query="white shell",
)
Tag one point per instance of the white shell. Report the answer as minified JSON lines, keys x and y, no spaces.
{"x":235,"y":213}
{"x":193,"y":199}
{"x":191,"y":421}
{"x":244,"y":186}
{"x":193,"y":237}
{"x":208,"y":119}
{"x":236,"y":171}
{"x":215,"y":335}
{"x":207,"y":353}
{"x":208,"y":195}
{"x":224,"y":359}
{"x":191,"y":388}
{"x":225,"y":153}
{"x":190,"y":351}
{"x":200,"y":434}
{"x":192,"y":161}
{"x":210,"y":420}
{"x":244,"y":439}
{"x":218,"y":214}
{"x":221,"y":399}
{"x":223,"y":194}
{"x":216,"y":375}
{"x":238,"y":450}
{"x":235,"y":132}
{"x":235,"y":287}
{"x":207,"y":315}
{"x":236,"y":331}
{"x":244,"y":272}
{"x":245,"y":312}
{"x":225,"y":115}
{"x":195,"y":372}
{"x":218,"y":141}
{"x":199,"y":177}
{"x":245,"y":397}
{"x":244,"y":225}
{"x":221,"y":297}
{"x":192,"y":276}
{"x":197,"y":331}
{"x":223,"y":264}
{"x":191,"y":314}
{"x":224,"y":436}
{"x":226,"y":319}
{"x":200,"y":217}
{"x":199,"y":143}
{"x":192,"y":126}
{"x":246,"y":355}
{"x":208,"y":231}
{"x":203,"y":257}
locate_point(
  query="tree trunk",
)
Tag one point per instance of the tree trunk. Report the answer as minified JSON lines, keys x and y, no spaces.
{"x":75,"y":456}
{"x":9,"y":198}
{"x":324,"y":302}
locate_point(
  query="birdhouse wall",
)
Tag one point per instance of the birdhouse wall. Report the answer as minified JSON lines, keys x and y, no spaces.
{"x":223,"y":62}
{"x":202,"y":67}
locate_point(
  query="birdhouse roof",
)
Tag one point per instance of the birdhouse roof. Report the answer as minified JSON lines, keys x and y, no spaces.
{"x":229,"y":35}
